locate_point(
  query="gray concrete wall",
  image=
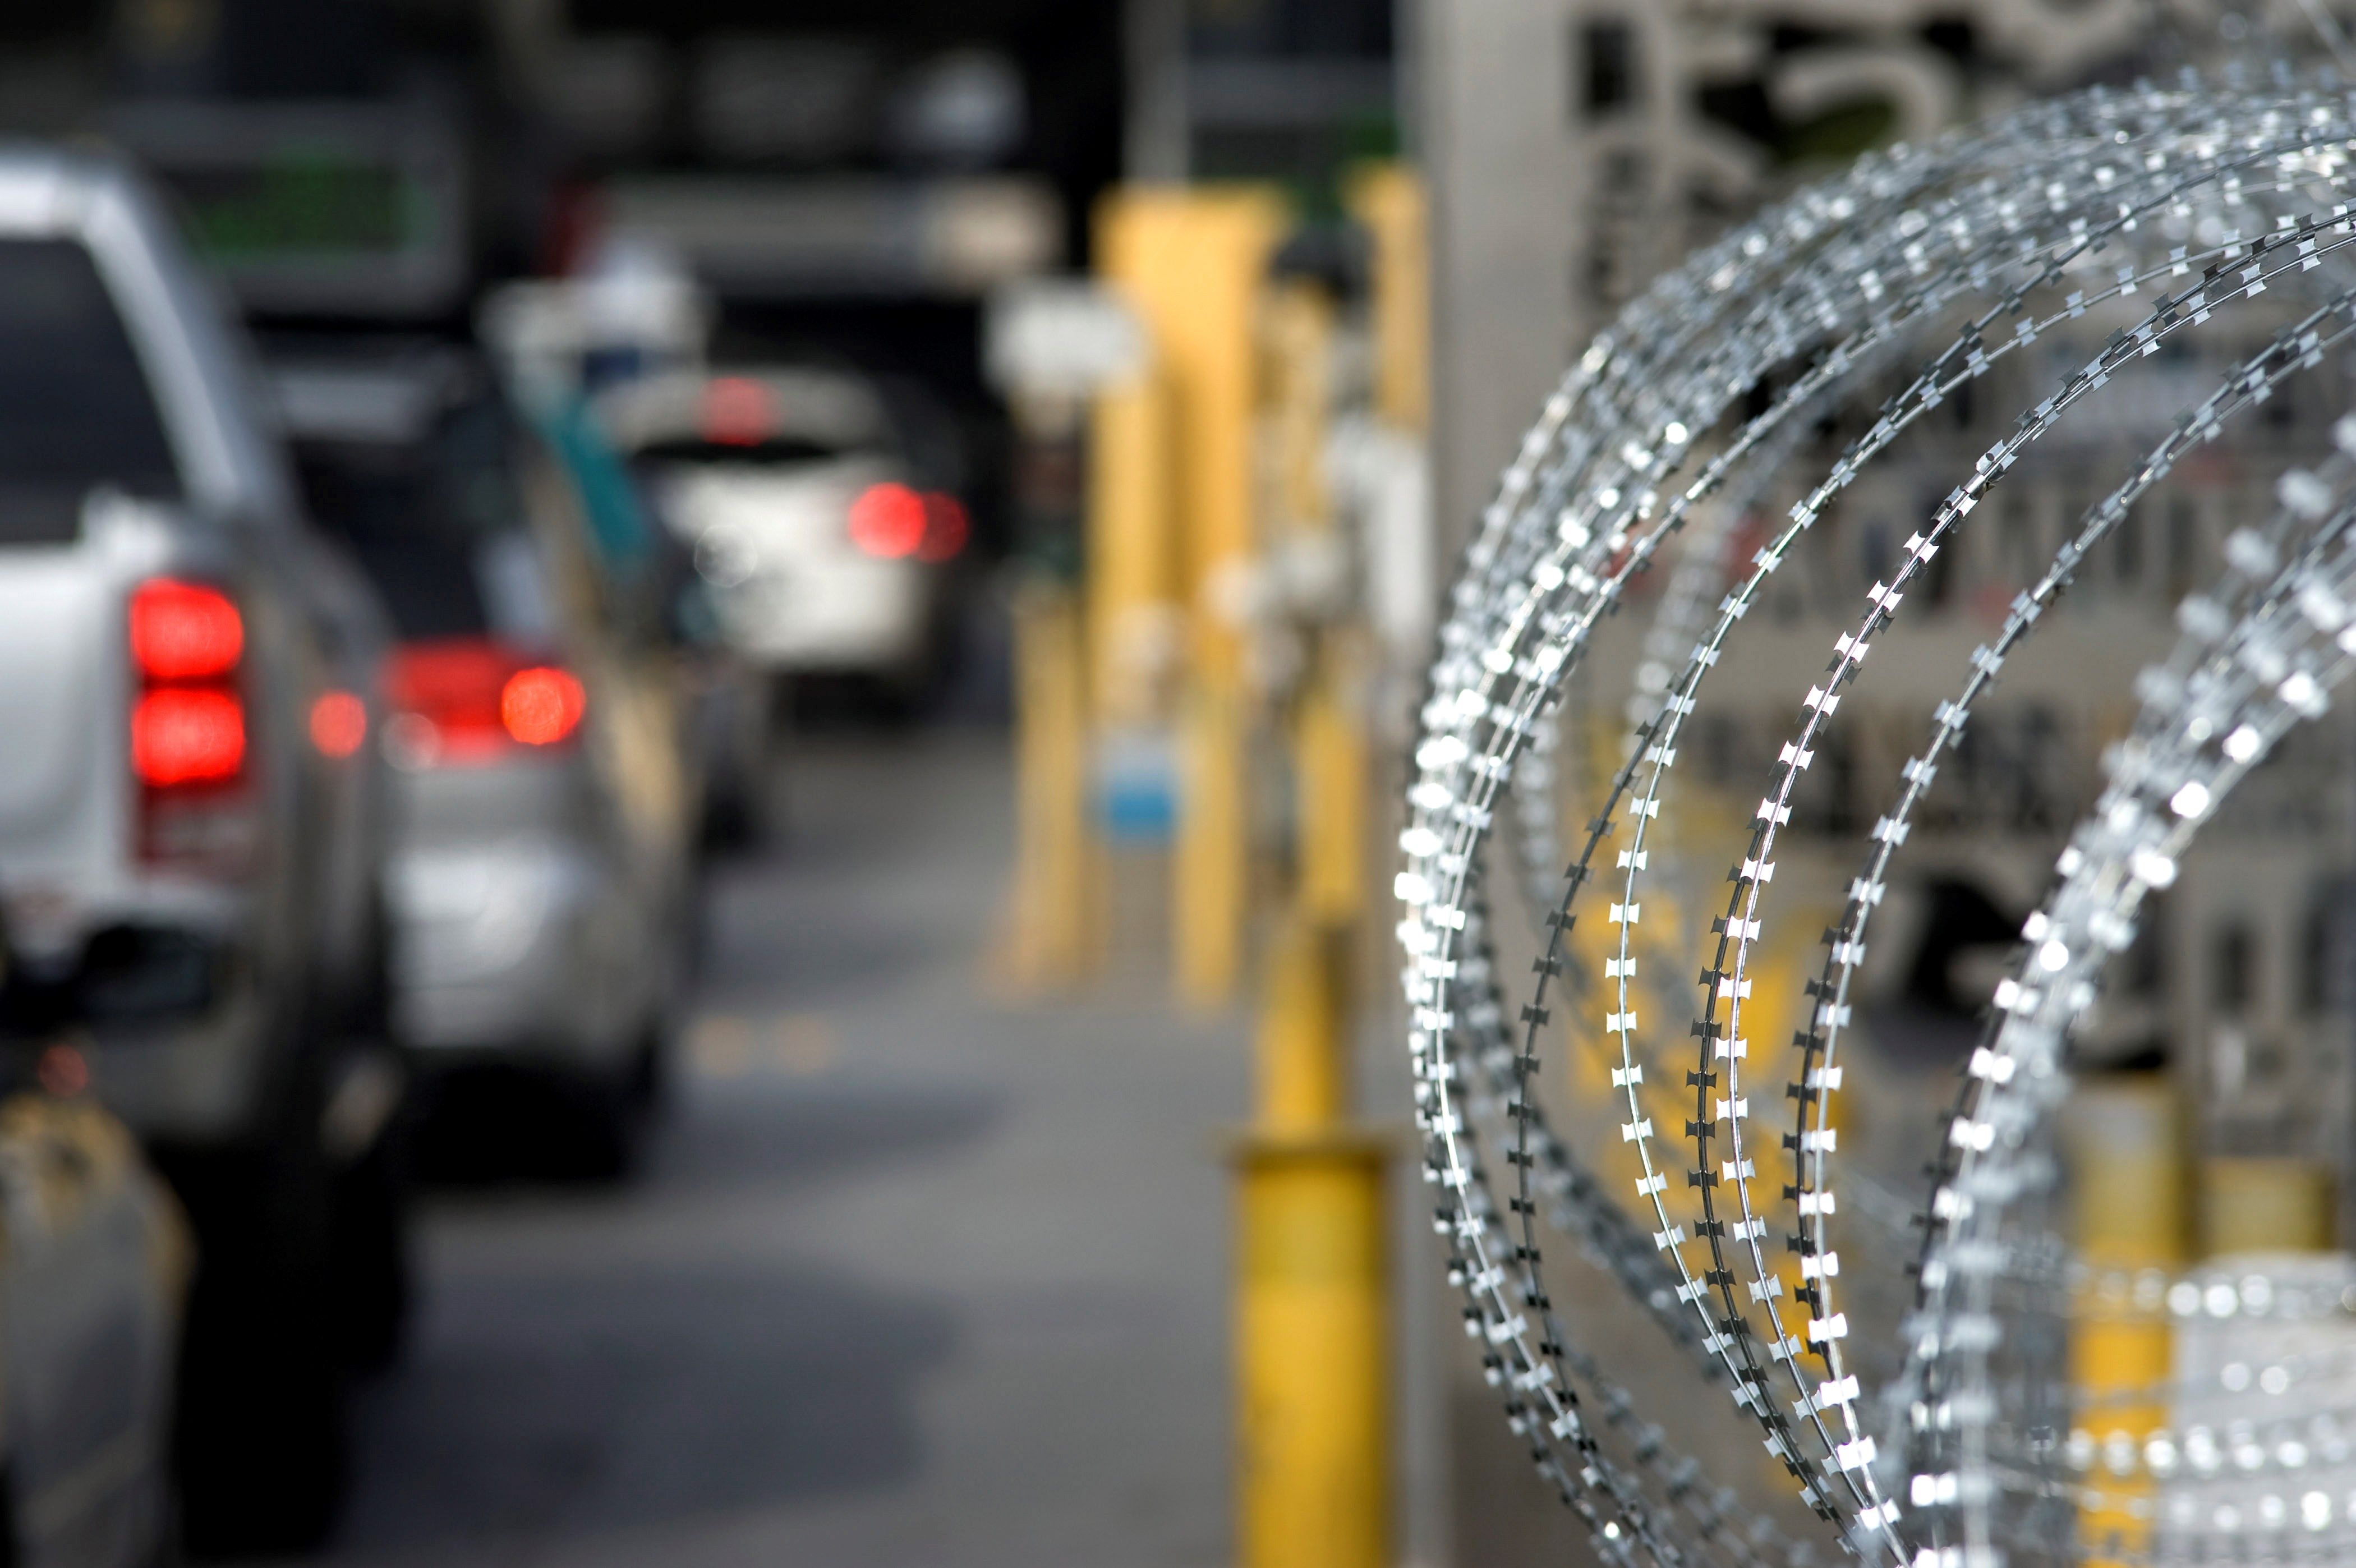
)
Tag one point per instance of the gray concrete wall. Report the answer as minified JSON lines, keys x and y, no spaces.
{"x":1492,"y":88}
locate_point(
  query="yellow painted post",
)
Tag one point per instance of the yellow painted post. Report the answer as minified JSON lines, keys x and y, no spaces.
{"x":1388,"y":199}
{"x":1189,"y":262}
{"x":1334,"y":764}
{"x":1313,"y":1317}
{"x":2125,"y":1142}
{"x":1312,"y":1327}
{"x":1085,"y":512}
{"x":1210,"y":879}
{"x":1303,"y":1074}
{"x":1134,"y":629}
{"x":1050,"y":933}
{"x":1330,"y":748}
{"x":1298,"y":328}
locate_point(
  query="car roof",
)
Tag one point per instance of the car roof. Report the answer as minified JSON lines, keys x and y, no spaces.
{"x":384,"y":399}
{"x":40,"y":183}
{"x":87,"y":194}
{"x":833,"y":407}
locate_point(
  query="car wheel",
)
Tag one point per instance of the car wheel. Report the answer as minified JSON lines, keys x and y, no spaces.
{"x":259,"y":1425}
{"x":612,"y":1131}
{"x":619,"y":1107}
{"x":373,"y":1278}
{"x":736,"y":821}
{"x":369,"y":1238}
{"x":164,"y":1550}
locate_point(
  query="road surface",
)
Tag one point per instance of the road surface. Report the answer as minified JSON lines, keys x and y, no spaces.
{"x":913,"y":1276}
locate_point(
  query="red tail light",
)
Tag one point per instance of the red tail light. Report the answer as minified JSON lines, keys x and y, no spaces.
{"x":184,"y":631}
{"x":466,"y":699}
{"x":946,"y":528}
{"x":183,"y":735}
{"x":338,"y":724}
{"x":188,"y":726}
{"x":540,"y":707}
{"x":738,"y":412}
{"x":887,"y":521}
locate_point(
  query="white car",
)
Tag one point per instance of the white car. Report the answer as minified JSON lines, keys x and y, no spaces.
{"x":192,"y":823}
{"x":822,"y":549}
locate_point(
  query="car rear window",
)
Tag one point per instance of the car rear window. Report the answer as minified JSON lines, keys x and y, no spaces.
{"x":438,"y":525}
{"x":75,"y":408}
{"x":777,"y":449}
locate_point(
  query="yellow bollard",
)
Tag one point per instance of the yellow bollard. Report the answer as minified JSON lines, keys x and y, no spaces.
{"x":1388,"y":199}
{"x":2124,"y":1138}
{"x":1329,"y":742}
{"x":1333,"y":766}
{"x":1313,"y":1352}
{"x":1051,"y":932}
{"x":1297,"y":327}
{"x":1312,"y":1325}
{"x":1303,"y":1081}
{"x":1133,"y":624}
{"x":1189,"y":262}
{"x":1211,"y":870}
{"x":1312,"y":1355}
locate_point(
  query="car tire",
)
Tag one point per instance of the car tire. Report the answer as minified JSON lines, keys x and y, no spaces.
{"x":370,"y":1272}
{"x":613,"y":1130}
{"x":167,"y":1550}
{"x":372,"y":1276}
{"x":619,"y":1107}
{"x":258,"y":1430}
{"x":735,"y":822}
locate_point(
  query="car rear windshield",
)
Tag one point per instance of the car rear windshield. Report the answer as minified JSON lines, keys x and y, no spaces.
{"x":75,"y":407}
{"x":438,"y":525}
{"x":777,"y":450}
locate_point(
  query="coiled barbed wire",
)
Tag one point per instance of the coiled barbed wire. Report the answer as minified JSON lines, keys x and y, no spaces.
{"x":2209,"y":714}
{"x":1639,"y":852}
{"x":1583,"y":507}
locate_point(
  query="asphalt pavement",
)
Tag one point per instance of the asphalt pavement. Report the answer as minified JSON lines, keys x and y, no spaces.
{"x":913,"y":1275}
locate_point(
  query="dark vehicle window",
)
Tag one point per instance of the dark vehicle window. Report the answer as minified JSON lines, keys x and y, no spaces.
{"x":75,"y":408}
{"x":436,"y":524}
{"x":781,"y":449}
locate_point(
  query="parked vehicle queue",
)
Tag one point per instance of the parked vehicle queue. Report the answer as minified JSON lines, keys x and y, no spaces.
{"x":323,"y":776}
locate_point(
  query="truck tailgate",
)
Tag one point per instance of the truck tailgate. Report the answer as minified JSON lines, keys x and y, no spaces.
{"x":55,"y":661}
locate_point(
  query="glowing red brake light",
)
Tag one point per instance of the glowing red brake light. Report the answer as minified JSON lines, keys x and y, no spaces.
{"x":887,"y":521}
{"x":946,"y":528}
{"x":189,"y":728}
{"x":540,"y":707}
{"x":463,"y":700}
{"x":737,"y":411}
{"x":184,"y":631}
{"x":187,"y":734}
{"x":338,"y":724}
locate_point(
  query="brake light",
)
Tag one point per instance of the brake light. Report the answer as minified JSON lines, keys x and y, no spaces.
{"x":188,"y":726}
{"x":947,"y":527}
{"x":338,"y":724}
{"x":466,"y":699}
{"x":887,"y":521}
{"x":737,"y":411}
{"x":186,"y":735}
{"x":184,"y":631}
{"x":540,"y":707}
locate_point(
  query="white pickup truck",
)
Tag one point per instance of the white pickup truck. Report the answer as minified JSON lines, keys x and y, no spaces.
{"x":190,"y":821}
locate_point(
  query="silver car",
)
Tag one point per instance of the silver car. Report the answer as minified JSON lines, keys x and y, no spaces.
{"x":190,"y":820}
{"x":538,"y":857}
